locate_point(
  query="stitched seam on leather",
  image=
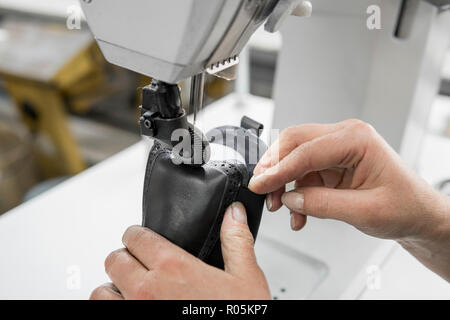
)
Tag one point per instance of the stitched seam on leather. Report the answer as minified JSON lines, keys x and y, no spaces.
{"x":155,"y":152}
{"x":231,"y":191}
{"x":210,"y":240}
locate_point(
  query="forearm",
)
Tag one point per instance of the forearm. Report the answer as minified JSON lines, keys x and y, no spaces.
{"x":433,"y":248}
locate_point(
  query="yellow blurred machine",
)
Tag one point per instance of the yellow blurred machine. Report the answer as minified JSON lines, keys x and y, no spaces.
{"x":18,"y":171}
{"x":50,"y":71}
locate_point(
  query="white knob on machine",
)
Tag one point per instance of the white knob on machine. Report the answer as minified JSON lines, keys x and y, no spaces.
{"x":304,"y":9}
{"x":284,"y":9}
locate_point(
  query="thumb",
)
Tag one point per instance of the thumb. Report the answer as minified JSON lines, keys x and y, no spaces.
{"x":237,"y":242}
{"x":350,"y":206}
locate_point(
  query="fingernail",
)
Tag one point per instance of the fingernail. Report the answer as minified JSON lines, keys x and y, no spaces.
{"x":258,"y":178}
{"x":294,"y":201}
{"x":295,"y":221}
{"x":127,"y":234}
{"x":269,"y":203}
{"x":292,"y":221}
{"x":238,"y":213}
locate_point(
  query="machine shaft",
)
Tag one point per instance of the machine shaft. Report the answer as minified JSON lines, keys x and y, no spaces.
{"x":197,"y":94}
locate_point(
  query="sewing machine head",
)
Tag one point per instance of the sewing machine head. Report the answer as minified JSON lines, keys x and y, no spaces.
{"x":172,"y":40}
{"x":169,"y":41}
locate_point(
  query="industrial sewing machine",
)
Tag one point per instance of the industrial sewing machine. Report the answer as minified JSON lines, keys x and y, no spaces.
{"x":387,"y":76}
{"x":186,"y":203}
{"x":203,"y":36}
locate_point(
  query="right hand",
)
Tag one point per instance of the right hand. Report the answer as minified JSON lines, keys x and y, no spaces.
{"x":346,"y":171}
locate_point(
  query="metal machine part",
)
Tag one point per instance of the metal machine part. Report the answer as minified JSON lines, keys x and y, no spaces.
{"x":163,"y":118}
{"x":197,"y":94}
{"x":197,"y":35}
{"x":285,"y":8}
{"x":225,"y":69}
{"x":441,"y":4}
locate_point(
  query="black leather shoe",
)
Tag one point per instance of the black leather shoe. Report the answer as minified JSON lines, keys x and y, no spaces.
{"x":186,"y":204}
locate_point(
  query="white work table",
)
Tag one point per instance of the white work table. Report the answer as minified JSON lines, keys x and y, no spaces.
{"x":53,"y":247}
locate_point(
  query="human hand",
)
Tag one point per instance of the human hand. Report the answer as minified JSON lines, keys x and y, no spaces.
{"x":153,"y":268}
{"x":346,"y":171}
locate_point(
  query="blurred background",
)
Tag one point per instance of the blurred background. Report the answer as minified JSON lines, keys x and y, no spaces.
{"x":63,"y":108}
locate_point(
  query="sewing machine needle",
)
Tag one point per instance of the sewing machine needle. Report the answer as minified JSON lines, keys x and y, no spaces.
{"x":197,"y":93}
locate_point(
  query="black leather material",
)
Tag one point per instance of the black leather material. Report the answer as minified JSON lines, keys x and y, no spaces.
{"x":186,"y":204}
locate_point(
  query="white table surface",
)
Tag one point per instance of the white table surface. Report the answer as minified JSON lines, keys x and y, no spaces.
{"x":63,"y":236}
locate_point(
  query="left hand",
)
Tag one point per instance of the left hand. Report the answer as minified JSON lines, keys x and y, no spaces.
{"x":153,"y":268}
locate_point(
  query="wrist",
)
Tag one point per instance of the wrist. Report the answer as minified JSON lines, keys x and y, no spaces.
{"x":439,"y":219}
{"x":430,"y":218}
{"x":432,"y":244}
